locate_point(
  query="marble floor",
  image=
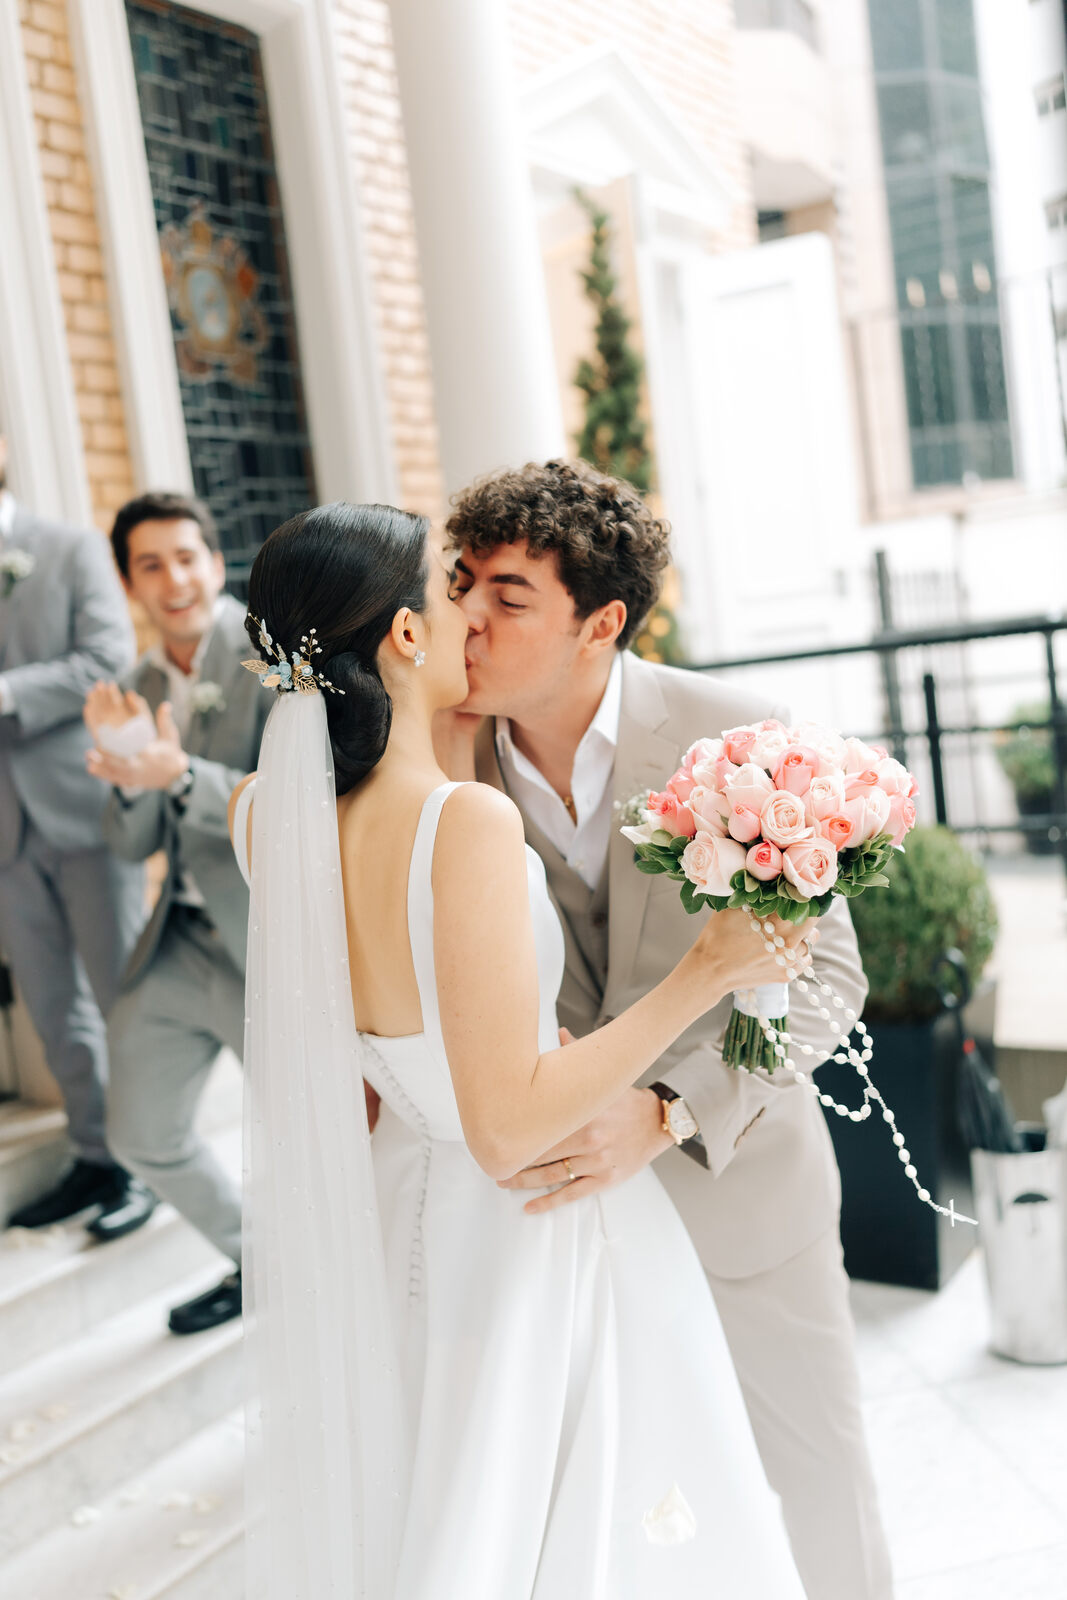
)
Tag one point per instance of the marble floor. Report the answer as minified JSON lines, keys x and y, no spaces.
{"x":970,"y":1451}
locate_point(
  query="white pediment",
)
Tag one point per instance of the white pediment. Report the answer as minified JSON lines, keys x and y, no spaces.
{"x":597,"y":118}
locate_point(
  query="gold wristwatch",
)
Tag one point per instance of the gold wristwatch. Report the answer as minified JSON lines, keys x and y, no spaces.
{"x":678,"y":1121}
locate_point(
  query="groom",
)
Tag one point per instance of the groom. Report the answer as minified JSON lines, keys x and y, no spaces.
{"x":557,"y":565}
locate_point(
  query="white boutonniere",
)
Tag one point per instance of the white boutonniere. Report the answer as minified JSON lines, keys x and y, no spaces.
{"x":14,"y":566}
{"x":206,"y":697}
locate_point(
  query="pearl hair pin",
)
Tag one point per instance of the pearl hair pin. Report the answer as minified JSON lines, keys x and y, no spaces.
{"x":822,"y":997}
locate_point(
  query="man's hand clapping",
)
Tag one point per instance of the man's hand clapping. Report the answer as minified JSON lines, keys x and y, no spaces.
{"x":156,"y":764}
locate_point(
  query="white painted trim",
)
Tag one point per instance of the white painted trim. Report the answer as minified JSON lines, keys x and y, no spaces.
{"x":677,"y":179}
{"x":343,"y":387}
{"x":140,"y":314}
{"x":38,"y":412}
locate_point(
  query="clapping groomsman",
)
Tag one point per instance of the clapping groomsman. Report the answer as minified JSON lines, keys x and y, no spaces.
{"x":186,"y":728}
{"x":69,"y":912}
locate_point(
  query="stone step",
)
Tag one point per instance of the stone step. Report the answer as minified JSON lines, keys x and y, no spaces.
{"x":104,"y":1407}
{"x":33,"y":1139}
{"x":172,"y":1532}
{"x":56,"y":1283}
{"x":33,"y":1152}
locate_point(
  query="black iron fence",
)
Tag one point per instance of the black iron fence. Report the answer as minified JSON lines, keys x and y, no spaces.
{"x":894,"y":649}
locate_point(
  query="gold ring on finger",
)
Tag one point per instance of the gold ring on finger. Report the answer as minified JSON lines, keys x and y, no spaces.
{"x":571,"y":1174}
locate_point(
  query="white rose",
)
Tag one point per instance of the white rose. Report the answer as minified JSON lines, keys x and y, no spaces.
{"x":768,"y":745}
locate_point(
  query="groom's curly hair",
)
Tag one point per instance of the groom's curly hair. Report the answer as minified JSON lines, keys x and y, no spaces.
{"x":607,"y":543}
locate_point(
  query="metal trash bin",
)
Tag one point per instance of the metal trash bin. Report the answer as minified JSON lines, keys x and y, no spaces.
{"x":1021,"y":1201}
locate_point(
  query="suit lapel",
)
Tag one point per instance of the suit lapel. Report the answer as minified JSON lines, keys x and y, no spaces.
{"x":208,"y":729}
{"x":644,"y":759}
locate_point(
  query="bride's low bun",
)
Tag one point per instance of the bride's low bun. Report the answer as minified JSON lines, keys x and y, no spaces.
{"x":345,"y":571}
{"x":359,"y":719}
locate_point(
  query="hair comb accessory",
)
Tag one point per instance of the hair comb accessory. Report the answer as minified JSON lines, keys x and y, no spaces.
{"x":293,"y":671}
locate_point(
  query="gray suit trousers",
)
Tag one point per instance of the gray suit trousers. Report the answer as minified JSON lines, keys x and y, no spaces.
{"x":164,"y":1035}
{"x":69,"y":920}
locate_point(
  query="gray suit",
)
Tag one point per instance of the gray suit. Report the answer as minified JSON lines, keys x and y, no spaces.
{"x":183,"y":995}
{"x":69,"y":913}
{"x":763,"y":1212}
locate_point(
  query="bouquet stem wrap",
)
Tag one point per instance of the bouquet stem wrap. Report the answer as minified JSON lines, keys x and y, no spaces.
{"x":746,"y":1045}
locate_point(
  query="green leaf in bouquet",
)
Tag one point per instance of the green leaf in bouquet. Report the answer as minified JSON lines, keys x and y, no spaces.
{"x":692,"y":897}
{"x":653,"y":868}
{"x":877,"y":880}
{"x":717,"y":902}
{"x":678,"y":845}
{"x":661,"y":836}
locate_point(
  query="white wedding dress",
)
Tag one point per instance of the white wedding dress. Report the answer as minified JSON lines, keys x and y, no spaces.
{"x":576,"y":1427}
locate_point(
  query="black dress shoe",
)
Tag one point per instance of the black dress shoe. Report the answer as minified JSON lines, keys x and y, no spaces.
{"x":124,"y":1215}
{"x":86,"y":1184}
{"x":208,"y":1310}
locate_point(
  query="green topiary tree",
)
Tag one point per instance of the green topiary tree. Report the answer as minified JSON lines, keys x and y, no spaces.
{"x":614,"y":436}
{"x":938,"y":899}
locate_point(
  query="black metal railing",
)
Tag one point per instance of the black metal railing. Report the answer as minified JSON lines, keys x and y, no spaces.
{"x":888,"y":646}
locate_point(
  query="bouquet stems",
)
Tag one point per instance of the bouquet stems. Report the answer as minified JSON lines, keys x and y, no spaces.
{"x":746,"y":1045}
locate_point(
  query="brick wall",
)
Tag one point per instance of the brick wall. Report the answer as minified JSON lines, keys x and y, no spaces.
{"x":376,"y":146}
{"x":83,"y":288}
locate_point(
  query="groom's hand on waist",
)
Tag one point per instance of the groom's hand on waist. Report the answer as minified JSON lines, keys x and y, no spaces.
{"x":608,"y":1150}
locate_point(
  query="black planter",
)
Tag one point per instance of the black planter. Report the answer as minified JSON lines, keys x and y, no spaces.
{"x":1036,"y":805}
{"x":888,"y":1234}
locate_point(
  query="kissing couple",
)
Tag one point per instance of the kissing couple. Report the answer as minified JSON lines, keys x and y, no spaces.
{"x":544,"y":1302}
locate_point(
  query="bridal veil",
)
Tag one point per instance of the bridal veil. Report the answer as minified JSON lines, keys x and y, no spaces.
{"x":326,"y":1479}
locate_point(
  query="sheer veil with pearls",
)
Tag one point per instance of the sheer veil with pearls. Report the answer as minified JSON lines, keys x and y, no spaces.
{"x":327,"y":1437}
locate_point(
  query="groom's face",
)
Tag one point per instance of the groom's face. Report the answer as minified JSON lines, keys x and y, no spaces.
{"x":524,"y":637}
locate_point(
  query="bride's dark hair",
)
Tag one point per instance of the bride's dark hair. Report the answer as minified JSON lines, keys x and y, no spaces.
{"x":345,"y":571}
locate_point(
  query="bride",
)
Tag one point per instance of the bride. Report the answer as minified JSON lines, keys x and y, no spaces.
{"x":448,"y":1399}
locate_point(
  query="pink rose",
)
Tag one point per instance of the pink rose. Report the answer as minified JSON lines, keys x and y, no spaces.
{"x":764,"y":861}
{"x":710,"y":862}
{"x":901,"y":817}
{"x":811,"y":867}
{"x":772,"y":738}
{"x":868,"y":813}
{"x":858,"y":755}
{"x":837,"y":829}
{"x":712,"y":773}
{"x":743,"y":824}
{"x":859,"y":783}
{"x":893,"y":777}
{"x":749,"y":786}
{"x":667,"y":811}
{"x":681,"y":786}
{"x":783,"y":819}
{"x":825,"y":797}
{"x":797,"y":766}
{"x":710,"y":808}
{"x":737,"y":744}
{"x":703,"y":750}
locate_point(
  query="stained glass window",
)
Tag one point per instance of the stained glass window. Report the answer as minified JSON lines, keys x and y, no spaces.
{"x":222,"y":239}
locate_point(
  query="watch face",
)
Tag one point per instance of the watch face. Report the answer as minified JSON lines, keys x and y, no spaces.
{"x":683,"y":1123}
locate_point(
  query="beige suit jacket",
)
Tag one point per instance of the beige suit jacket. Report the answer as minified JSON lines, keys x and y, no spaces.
{"x":771,"y":1186}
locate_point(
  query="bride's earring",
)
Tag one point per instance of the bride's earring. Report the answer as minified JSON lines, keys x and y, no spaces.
{"x":420,"y":658}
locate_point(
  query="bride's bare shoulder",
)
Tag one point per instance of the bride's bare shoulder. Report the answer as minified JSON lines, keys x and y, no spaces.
{"x":475,"y":814}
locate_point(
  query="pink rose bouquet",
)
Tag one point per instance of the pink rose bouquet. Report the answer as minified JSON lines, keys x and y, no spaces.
{"x":776,"y":820}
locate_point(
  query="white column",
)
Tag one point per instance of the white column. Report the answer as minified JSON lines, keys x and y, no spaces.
{"x":495,"y":383}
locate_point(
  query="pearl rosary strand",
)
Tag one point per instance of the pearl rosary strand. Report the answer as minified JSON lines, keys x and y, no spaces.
{"x":810,"y":985}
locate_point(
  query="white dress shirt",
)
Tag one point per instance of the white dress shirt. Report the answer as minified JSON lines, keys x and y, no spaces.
{"x":7,"y":522}
{"x":583,"y":843}
{"x":7,"y":515}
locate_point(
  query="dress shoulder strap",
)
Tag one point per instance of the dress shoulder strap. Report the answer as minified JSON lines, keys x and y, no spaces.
{"x":420,"y":907}
{"x":240,"y":830}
